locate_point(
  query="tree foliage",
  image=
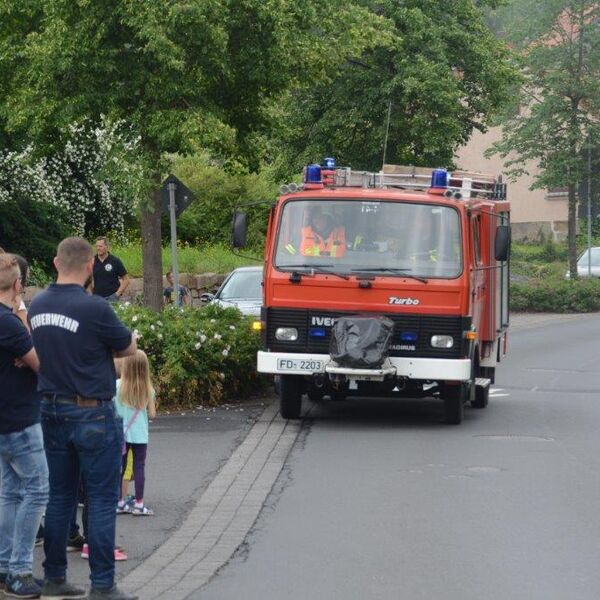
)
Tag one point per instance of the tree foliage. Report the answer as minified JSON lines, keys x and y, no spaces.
{"x":440,"y":70}
{"x":184,"y":73}
{"x":560,"y":105}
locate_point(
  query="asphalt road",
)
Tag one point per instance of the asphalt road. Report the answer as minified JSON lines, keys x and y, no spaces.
{"x":378,"y":499}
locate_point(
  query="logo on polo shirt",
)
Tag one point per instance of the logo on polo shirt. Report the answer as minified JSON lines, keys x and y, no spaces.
{"x":108,"y":267}
{"x":54,"y":320}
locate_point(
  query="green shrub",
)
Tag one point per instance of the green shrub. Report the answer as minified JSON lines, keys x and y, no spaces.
{"x":559,"y":296}
{"x":33,"y":230}
{"x":198,"y":356}
{"x":217,"y":192}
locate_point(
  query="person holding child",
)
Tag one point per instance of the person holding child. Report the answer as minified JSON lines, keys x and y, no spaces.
{"x":135,"y":402}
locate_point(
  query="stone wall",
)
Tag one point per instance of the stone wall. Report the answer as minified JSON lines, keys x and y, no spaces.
{"x":197,"y":284}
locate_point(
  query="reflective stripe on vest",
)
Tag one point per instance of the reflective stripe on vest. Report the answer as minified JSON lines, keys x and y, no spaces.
{"x":314,"y":245}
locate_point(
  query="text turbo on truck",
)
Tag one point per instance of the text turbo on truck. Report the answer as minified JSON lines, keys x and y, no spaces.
{"x":428,"y":249}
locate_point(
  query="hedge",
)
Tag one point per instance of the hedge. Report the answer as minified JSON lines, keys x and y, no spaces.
{"x":557,"y":296}
{"x":198,"y":356}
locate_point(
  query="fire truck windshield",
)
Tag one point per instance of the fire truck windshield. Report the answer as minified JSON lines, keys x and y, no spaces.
{"x":389,"y":237}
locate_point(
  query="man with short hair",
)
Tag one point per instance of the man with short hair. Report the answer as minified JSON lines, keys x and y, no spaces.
{"x":76,"y":336}
{"x":23,"y":466}
{"x":110,"y":275}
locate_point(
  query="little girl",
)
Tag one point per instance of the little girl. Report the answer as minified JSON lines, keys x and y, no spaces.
{"x":135,"y":402}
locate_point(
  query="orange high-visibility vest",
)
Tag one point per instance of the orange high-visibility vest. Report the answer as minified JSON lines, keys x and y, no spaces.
{"x":315,"y":245}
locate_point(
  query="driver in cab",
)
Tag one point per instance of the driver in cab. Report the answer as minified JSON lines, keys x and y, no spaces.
{"x":322,"y":237}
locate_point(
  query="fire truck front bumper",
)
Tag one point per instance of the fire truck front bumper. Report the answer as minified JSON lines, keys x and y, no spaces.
{"x":437,"y":369}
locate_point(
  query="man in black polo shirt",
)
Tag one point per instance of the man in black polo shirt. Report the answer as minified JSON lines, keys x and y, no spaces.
{"x":110,"y":275}
{"x":76,"y":336}
{"x":23,"y":467}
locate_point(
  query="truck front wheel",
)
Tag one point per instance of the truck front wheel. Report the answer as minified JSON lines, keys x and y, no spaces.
{"x":290,"y":396}
{"x":455,"y":397}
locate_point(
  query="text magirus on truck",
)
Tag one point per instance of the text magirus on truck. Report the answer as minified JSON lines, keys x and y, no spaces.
{"x":425,"y":250}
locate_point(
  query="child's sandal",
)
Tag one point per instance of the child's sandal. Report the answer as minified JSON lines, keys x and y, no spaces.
{"x":142,"y":511}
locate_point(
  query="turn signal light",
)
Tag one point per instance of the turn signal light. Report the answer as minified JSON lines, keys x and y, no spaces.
{"x":471,"y":336}
{"x":257,"y":325}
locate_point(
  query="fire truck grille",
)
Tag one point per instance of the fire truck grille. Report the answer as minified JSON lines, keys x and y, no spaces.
{"x":314,"y":332}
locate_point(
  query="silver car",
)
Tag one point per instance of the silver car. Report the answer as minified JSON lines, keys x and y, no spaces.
{"x":241,"y":289}
{"x":582,"y":263}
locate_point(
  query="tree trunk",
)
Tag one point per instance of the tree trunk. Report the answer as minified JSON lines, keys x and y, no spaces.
{"x":572,"y":232}
{"x":151,"y":250}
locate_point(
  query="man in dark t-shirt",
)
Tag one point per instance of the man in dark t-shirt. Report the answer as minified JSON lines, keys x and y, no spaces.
{"x":76,"y":336}
{"x":23,"y":466}
{"x":110,"y":275}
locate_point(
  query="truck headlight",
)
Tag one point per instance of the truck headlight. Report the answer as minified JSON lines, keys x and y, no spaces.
{"x":286,"y":334}
{"x":442,"y":341}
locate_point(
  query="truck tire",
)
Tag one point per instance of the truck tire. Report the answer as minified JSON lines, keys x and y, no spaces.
{"x":290,"y":396}
{"x":455,"y":397}
{"x":482,"y":396}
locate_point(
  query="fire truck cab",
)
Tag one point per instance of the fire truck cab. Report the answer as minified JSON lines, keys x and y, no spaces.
{"x":426,"y":248}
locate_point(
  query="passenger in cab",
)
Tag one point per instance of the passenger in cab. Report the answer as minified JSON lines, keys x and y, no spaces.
{"x":322,"y":236}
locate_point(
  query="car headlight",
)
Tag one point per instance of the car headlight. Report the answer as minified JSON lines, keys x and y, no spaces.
{"x":286,"y":334}
{"x":442,"y":341}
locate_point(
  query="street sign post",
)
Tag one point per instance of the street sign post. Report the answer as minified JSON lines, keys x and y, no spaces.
{"x":176,"y":197}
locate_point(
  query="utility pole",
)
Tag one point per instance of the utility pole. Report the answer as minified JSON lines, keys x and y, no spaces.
{"x":172,"y":187}
{"x":589,"y":206}
{"x":387,"y":133}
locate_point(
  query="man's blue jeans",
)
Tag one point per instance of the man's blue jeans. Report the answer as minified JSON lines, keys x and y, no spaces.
{"x":23,"y":497}
{"x":84,"y":441}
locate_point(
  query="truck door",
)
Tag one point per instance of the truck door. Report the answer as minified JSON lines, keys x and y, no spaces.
{"x":477,"y":272}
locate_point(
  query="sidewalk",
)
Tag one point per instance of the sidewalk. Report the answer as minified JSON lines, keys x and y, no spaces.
{"x":185,"y":452}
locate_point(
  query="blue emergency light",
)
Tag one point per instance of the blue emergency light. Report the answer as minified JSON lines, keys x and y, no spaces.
{"x":329,"y":163}
{"x":408,"y":336}
{"x":317,"y":332}
{"x":439,"y":178}
{"x":313,"y":174}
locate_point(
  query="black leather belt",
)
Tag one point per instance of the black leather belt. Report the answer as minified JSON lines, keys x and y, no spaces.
{"x":77,"y":400}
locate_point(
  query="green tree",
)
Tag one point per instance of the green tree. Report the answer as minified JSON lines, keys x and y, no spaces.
{"x":217,"y":192}
{"x":560,"y":104}
{"x":440,"y":74}
{"x":184,"y":73}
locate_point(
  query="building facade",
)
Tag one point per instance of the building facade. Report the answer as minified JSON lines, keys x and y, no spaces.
{"x":535,"y":214}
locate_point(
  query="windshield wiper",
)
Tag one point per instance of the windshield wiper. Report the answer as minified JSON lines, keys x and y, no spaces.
{"x":317,"y":268}
{"x":403,"y":272}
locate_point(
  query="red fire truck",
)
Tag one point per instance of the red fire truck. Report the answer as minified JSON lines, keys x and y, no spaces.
{"x":426,"y":248}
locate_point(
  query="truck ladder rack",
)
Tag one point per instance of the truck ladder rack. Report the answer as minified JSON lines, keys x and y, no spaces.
{"x":462,"y":184}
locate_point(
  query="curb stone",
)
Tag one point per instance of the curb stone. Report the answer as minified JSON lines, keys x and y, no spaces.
{"x":222,"y":516}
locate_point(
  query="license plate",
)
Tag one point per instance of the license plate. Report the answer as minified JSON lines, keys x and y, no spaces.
{"x":299,"y":364}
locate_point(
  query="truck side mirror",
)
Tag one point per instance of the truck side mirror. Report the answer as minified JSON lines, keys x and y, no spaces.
{"x":239,"y":229}
{"x":502,"y":243}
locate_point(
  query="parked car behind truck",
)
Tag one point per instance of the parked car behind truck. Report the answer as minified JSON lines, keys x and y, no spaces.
{"x":241,"y":289}
{"x":583,"y":263}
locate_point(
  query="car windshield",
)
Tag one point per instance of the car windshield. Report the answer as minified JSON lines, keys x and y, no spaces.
{"x":583,"y":260}
{"x":242,"y":285}
{"x":350,"y":236}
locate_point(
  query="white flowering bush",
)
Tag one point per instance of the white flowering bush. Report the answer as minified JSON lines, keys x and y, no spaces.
{"x":97,"y":176}
{"x":198,"y":355}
